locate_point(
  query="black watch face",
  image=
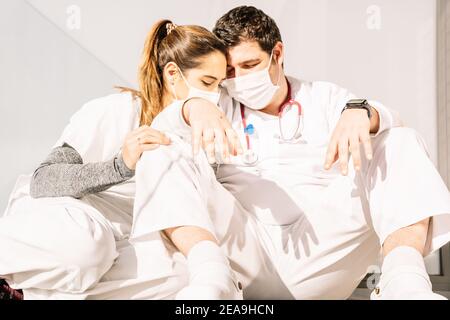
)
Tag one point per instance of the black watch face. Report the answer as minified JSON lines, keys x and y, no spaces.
{"x":357,"y":101}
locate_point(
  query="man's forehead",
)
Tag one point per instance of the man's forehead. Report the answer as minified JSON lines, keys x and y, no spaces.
{"x":245,"y":51}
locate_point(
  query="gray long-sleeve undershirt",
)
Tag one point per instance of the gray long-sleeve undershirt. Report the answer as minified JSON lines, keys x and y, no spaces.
{"x":64,"y":174}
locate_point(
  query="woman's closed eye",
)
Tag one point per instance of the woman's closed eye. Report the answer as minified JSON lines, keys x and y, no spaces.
{"x":207,"y":84}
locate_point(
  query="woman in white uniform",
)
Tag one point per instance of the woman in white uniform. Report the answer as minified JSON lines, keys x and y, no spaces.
{"x":66,"y":230}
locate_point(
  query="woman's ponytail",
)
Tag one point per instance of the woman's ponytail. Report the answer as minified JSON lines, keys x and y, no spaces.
{"x":150,"y":75}
{"x":167,"y":42}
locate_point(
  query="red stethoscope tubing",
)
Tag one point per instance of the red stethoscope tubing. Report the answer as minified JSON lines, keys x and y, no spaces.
{"x":288,"y":102}
{"x":244,"y":122}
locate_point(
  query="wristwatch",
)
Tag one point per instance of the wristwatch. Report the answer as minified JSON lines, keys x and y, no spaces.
{"x":358,"y":104}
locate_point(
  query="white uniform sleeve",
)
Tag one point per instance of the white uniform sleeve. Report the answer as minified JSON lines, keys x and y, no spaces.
{"x":388,"y":118}
{"x":337,"y":97}
{"x":171,"y":119}
{"x":97,"y":131}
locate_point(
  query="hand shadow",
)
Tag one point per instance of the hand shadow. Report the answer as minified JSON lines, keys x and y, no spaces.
{"x":268,"y":196}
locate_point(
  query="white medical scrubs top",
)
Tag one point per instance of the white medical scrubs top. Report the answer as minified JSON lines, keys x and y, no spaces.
{"x":287,"y":177}
{"x":97,"y":132}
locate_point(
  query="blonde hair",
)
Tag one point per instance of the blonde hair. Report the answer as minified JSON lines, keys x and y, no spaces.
{"x":167,"y":42}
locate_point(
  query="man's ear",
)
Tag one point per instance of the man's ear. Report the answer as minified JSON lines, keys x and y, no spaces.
{"x":278,"y":52}
{"x":171,"y":72}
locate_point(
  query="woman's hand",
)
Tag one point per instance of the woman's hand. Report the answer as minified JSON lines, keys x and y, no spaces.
{"x":353,"y":128}
{"x":140,"y":140}
{"x":210,"y":128}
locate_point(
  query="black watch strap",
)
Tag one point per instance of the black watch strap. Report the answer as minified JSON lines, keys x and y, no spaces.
{"x":358,"y":104}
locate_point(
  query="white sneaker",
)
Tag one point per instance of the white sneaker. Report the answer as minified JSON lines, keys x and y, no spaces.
{"x":209,"y":292}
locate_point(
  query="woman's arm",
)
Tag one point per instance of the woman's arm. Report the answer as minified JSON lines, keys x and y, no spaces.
{"x":64,"y":174}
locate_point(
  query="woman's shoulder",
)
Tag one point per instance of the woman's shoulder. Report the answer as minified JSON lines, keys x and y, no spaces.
{"x":98,"y":129}
{"x":116,"y":102}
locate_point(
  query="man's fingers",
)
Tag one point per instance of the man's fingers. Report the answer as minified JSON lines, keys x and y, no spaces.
{"x":343,"y":155}
{"x":233,"y":139}
{"x":208,"y":145}
{"x":367,"y":143}
{"x":354,"y":149}
{"x":196,"y":137}
{"x":330,"y":157}
{"x":222,"y":144}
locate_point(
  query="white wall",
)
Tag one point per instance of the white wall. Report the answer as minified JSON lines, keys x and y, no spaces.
{"x":48,"y":69}
{"x":391,"y":59}
{"x":44,"y":78}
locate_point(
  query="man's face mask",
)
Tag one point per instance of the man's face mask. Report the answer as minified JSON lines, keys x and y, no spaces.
{"x":254,"y":90}
{"x":211,"y":96}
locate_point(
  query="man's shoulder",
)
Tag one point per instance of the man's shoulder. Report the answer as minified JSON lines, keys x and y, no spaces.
{"x":316,"y":85}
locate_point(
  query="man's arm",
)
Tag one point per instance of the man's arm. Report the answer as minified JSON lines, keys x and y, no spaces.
{"x":374,"y":121}
{"x":385,"y":118}
{"x":203,"y":124}
{"x":352,"y":127}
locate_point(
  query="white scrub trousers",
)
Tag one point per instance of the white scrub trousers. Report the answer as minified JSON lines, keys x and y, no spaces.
{"x":336,"y":239}
{"x":54,"y":248}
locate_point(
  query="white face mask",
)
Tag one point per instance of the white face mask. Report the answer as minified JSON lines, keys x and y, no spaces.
{"x":213,"y":97}
{"x":254,"y":90}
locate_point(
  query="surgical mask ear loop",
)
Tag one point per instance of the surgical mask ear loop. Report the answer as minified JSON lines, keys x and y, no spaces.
{"x":173,"y":84}
{"x":279,"y":69}
{"x":184,"y":79}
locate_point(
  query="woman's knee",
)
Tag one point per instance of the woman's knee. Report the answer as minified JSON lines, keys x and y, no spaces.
{"x":91,"y":243}
{"x":75,"y":248}
{"x":162,"y":156}
{"x":85,"y":263}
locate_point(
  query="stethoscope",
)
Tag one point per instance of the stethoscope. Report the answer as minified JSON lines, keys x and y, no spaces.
{"x":288,"y":106}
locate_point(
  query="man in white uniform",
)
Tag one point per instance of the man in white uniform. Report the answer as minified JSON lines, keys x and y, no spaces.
{"x":293,"y":225}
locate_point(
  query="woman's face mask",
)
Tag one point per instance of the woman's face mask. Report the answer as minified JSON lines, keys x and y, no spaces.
{"x":193,"y":92}
{"x":254,"y":90}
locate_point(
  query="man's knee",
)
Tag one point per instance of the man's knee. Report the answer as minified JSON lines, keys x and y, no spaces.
{"x":399,"y":134}
{"x":398,"y":139}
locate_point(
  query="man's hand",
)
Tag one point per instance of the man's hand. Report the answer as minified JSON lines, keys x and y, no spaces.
{"x":353,"y":128}
{"x":210,"y":128}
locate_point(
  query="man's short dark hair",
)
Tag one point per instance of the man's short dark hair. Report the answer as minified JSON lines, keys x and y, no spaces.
{"x":246,"y":23}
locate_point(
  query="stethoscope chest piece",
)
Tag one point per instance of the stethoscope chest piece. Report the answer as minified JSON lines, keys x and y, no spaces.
{"x":249,"y":157}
